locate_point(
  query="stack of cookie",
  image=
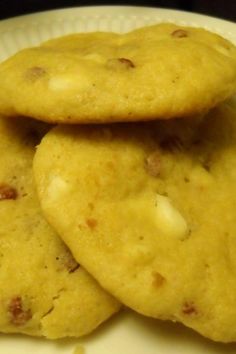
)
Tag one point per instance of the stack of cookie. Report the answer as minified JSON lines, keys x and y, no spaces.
{"x":139,"y":209}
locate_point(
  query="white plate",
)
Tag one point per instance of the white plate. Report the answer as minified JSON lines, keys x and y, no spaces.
{"x":127,"y":333}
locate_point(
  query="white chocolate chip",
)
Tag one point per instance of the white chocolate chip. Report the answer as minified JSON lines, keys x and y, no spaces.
{"x":65,"y":82}
{"x":168,"y":219}
{"x":56,"y":188}
{"x":97,"y":58}
{"x":153,"y":214}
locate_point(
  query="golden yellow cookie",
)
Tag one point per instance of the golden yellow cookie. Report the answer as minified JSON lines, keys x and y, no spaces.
{"x":163,"y":71}
{"x":44,"y":291}
{"x":149,"y":210}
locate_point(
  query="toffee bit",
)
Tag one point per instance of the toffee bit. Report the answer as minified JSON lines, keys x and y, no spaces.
{"x":7,"y":192}
{"x":158,"y":279}
{"x":179,"y":33}
{"x":189,"y":309}
{"x":73,"y":269}
{"x":120,"y":63}
{"x":153,"y":164}
{"x":18,"y":315}
{"x":128,"y":63}
{"x":91,"y":223}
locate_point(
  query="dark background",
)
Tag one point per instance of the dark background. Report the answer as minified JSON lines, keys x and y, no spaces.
{"x":219,"y":8}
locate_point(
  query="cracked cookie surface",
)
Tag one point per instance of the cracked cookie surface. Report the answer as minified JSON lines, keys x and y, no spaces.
{"x":162,"y":71}
{"x":149,"y":210}
{"x":44,"y":291}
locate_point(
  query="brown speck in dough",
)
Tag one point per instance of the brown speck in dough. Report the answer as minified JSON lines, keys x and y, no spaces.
{"x":120,"y":63}
{"x":158,"y":280}
{"x":189,"y":309}
{"x":34,"y":73}
{"x":179,"y":33}
{"x":18,"y":315}
{"x":153,"y":164}
{"x":91,"y":223}
{"x":7,"y":192}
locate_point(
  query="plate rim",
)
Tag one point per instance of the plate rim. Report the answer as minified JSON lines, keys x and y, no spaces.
{"x":101,"y":9}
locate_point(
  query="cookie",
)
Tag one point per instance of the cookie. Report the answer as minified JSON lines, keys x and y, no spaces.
{"x":162,"y":71}
{"x":149,"y":210}
{"x":44,"y":291}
